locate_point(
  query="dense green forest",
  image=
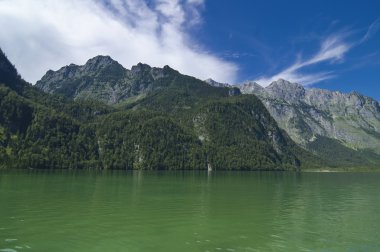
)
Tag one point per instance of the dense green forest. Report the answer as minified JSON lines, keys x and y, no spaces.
{"x":182,"y":124}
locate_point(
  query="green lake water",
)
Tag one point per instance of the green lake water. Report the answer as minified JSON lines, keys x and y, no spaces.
{"x":191,"y":211}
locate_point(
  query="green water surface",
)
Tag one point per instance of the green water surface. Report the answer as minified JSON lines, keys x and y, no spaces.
{"x":191,"y":211}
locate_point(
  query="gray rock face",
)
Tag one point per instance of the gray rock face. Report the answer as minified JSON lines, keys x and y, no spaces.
{"x":232,"y":90}
{"x":213,"y":83}
{"x":101,"y":78}
{"x":251,"y":87}
{"x":305,"y":114}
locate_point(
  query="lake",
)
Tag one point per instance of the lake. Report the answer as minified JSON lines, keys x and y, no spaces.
{"x":189,"y":211}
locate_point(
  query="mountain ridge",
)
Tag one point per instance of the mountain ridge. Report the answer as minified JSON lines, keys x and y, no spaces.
{"x":318,"y":119}
{"x":311,"y":117}
{"x":176,"y":122}
{"x":306,"y":114}
{"x":103,"y":76}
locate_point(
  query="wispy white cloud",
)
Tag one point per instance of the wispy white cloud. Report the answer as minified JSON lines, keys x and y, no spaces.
{"x":47,"y":34}
{"x":332,"y":49}
{"x":237,"y":55}
{"x":371,"y":31}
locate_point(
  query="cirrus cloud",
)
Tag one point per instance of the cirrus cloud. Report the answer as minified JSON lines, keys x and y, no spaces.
{"x":332,"y":49}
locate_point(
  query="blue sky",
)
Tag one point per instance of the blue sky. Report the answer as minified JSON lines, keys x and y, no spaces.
{"x":264,"y":38}
{"x":327,"y":44}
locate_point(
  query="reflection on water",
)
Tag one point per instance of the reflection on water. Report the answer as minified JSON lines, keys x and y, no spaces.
{"x":188,"y":211}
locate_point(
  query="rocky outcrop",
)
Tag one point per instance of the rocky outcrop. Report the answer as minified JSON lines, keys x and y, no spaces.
{"x":232,"y":90}
{"x":213,"y":83}
{"x":101,"y":78}
{"x":305,"y":114}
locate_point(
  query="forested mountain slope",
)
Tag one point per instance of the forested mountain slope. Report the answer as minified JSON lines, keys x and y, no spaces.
{"x":161,"y":120}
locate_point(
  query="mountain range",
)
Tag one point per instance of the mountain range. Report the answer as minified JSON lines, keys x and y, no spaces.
{"x":322,"y":121}
{"x":101,"y":115}
{"x":308,"y":113}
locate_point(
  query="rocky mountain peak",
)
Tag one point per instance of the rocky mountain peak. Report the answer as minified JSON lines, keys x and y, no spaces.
{"x":282,"y":84}
{"x":100,"y":59}
{"x":168,"y":70}
{"x":99,"y":62}
{"x":62,"y":74}
{"x":283,"y":89}
{"x":351,"y":118}
{"x":250,"y":87}
{"x":213,"y":83}
{"x":140,"y":67}
{"x":104,"y":79}
{"x":210,"y":81}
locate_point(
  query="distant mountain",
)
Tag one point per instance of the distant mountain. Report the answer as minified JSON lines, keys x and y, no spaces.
{"x":213,"y":83}
{"x":321,"y":120}
{"x":103,"y":79}
{"x":155,"y":119}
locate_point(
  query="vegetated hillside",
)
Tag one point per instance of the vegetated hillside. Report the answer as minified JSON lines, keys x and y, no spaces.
{"x":341,"y":156}
{"x":32,"y":135}
{"x":180,"y":123}
{"x":239,"y":132}
{"x":43,"y":131}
